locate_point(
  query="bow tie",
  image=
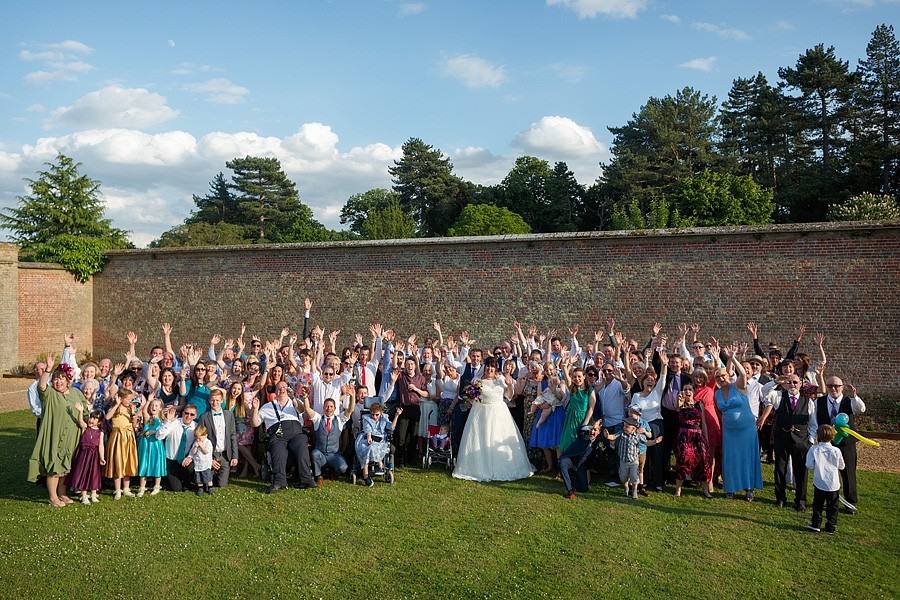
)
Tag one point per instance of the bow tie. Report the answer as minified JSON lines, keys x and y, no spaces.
{"x":218,"y":414}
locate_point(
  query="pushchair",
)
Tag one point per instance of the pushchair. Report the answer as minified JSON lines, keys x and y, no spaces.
{"x":435,"y":455}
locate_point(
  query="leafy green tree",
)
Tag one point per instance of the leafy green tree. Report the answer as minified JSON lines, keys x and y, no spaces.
{"x":662,"y":215}
{"x":669,"y":139}
{"x":428,"y":189}
{"x":202,"y":234}
{"x":389,"y":222}
{"x":525,"y":191}
{"x":865,"y":207}
{"x":566,"y":196}
{"x":712,"y":198}
{"x":487,"y":219}
{"x":62,"y":220}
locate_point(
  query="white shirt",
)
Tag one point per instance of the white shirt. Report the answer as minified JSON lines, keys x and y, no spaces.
{"x":34,"y":401}
{"x":270,"y":417}
{"x":650,"y":406}
{"x":337,"y":420}
{"x":773,"y":399}
{"x":202,"y":462}
{"x":171,"y":431}
{"x":754,"y":395}
{"x":322,"y":390}
{"x":857,"y":406}
{"x":825,"y":461}
{"x":219,"y":424}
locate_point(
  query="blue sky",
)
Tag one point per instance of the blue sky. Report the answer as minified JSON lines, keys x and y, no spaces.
{"x":154,"y":98}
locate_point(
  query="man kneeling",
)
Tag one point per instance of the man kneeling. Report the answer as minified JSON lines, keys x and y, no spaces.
{"x":576,"y":458}
{"x":328,"y":428}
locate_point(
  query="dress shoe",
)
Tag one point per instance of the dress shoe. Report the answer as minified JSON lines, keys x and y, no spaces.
{"x":274,"y":489}
{"x":319,"y":480}
{"x":779,"y":504}
{"x":800,"y":507}
{"x":850,"y":511}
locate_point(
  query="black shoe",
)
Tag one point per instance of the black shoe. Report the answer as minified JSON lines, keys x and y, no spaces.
{"x":274,"y":489}
{"x":779,"y":504}
{"x":850,"y":511}
{"x":829,"y":530}
{"x":199,"y":491}
{"x":800,"y":507}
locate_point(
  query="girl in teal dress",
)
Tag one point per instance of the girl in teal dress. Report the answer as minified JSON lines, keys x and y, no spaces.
{"x":151,"y":450}
{"x":581,"y":404}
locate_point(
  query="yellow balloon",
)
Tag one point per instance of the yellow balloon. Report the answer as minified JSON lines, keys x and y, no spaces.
{"x":860,"y":438}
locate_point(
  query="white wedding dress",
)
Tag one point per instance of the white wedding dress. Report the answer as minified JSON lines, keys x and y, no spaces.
{"x":491,"y":448}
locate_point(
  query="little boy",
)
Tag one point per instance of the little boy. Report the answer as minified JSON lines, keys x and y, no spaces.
{"x":634,"y":411}
{"x":626,"y":445}
{"x":441,"y":440}
{"x":826,"y":462}
{"x":201,"y":453}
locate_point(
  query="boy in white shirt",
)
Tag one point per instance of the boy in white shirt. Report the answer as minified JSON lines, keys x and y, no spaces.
{"x":201,"y":453}
{"x":826,"y":462}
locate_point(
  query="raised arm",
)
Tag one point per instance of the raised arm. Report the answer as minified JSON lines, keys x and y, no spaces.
{"x":307,"y":304}
{"x":741,"y":382}
{"x":167,"y":338}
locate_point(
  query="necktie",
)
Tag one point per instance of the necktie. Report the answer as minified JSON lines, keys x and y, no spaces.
{"x":363,"y":375}
{"x":834,"y":410}
{"x":328,"y":425}
{"x":182,"y":446}
{"x":793,"y":402}
{"x":676,"y":383}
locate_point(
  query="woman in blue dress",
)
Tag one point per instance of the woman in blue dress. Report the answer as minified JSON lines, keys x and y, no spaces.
{"x":740,"y":444}
{"x":372,"y":443}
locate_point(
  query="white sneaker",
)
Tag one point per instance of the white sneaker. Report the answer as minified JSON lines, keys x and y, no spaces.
{"x":128,"y":492}
{"x":140,"y":493}
{"x":155,"y":491}
{"x":85,"y":500}
{"x":95,"y":497}
{"x":118,"y":495}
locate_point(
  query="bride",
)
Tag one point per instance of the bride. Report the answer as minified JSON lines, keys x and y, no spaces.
{"x":492,"y":448}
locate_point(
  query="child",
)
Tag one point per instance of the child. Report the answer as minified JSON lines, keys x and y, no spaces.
{"x":151,"y":450}
{"x":626,"y":444}
{"x":826,"y":462}
{"x":550,"y":398}
{"x":371,"y":443}
{"x":201,"y":454}
{"x":89,"y":457}
{"x":121,"y":448}
{"x":441,"y":440}
{"x":634,"y":411}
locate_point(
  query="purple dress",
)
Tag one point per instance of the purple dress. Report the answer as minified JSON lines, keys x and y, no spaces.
{"x":85,"y":475}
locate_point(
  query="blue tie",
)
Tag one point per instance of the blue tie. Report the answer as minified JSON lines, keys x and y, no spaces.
{"x":182,"y":447}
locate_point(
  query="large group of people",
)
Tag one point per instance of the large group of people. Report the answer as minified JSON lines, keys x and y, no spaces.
{"x":302,"y":406}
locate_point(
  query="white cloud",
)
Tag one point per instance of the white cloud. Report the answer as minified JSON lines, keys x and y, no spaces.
{"x":700,"y":64}
{"x":556,"y":138}
{"x":219,"y":91}
{"x":171,"y":43}
{"x":569,"y":73}
{"x":480,"y":165}
{"x":38,"y":108}
{"x":113,"y":106}
{"x":723,"y":31}
{"x":473,"y":71}
{"x":783,"y":25}
{"x":626,"y":9}
{"x":671,"y":18}
{"x":411,"y":8}
{"x":63,"y":58}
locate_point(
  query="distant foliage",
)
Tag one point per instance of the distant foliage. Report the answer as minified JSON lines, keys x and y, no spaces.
{"x":865,"y":207}
{"x":487,"y":219}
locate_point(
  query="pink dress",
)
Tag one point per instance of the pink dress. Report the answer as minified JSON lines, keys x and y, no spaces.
{"x":85,"y":475}
{"x":706,"y":397}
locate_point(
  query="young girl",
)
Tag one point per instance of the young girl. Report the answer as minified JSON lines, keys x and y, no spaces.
{"x":201,"y":454}
{"x":238,"y":401}
{"x":371,"y":443}
{"x":550,"y":398}
{"x":89,"y":457}
{"x":151,"y":451}
{"x":121,"y":448}
{"x":447,"y":389}
{"x":691,"y":446}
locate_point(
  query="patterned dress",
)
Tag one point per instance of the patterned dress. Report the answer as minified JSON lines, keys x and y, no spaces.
{"x":691,"y":449}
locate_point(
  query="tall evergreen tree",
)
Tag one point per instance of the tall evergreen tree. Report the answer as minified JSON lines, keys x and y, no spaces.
{"x":218,"y":205}
{"x":268,"y":200}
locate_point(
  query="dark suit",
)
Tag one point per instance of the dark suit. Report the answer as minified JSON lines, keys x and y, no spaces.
{"x":577,"y":457}
{"x":229,"y":442}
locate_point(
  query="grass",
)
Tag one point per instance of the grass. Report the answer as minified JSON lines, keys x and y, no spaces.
{"x":430,"y":535}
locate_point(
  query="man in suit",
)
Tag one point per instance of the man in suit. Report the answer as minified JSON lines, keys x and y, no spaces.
{"x":223,"y":435}
{"x":328,"y":427}
{"x":460,"y":409}
{"x":577,"y":457}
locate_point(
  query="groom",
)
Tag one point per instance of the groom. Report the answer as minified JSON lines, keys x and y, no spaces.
{"x":577,"y":458}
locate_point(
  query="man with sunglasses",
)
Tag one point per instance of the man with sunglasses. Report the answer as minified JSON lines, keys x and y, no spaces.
{"x":179,"y":437}
{"x":828,"y":407}
{"x":795,"y":432}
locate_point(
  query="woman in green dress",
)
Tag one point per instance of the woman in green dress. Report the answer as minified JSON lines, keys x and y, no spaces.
{"x":581,"y":403}
{"x":62,"y":420}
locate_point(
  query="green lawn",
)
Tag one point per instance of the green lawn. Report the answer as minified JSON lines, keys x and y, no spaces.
{"x":430,"y":536}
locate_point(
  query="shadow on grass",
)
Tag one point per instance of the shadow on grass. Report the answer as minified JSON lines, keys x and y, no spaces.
{"x":16,"y":444}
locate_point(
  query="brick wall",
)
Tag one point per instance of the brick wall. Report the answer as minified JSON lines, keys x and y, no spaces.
{"x":9,"y":289}
{"x":838,"y":278}
{"x":52,"y":303}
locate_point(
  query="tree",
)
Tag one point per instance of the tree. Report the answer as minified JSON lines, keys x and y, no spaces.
{"x":389,"y":222}
{"x":566,"y":195}
{"x":268,"y":200}
{"x":62,"y":220}
{"x":878,"y":103}
{"x":487,"y":219}
{"x":219,"y":205}
{"x":662,"y":215}
{"x":428,"y":189}
{"x":525,"y":191}
{"x":202,"y":234}
{"x":711,"y":199}
{"x":667,"y":140}
{"x":865,"y":207}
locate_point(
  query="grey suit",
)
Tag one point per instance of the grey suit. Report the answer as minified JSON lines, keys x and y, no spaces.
{"x":230,"y":445}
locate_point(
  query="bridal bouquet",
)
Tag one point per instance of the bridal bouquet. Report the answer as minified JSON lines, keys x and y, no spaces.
{"x":472,"y":392}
